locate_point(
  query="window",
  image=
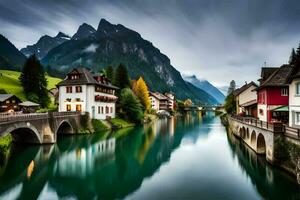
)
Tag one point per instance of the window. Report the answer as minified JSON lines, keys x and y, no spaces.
{"x":74,"y":77}
{"x":78,"y":107}
{"x":78,"y":89}
{"x":298,"y":88}
{"x":111,"y":109}
{"x":297,"y":118}
{"x":98,"y":109}
{"x":106,"y":110}
{"x":69,"y":89}
{"x":284,"y":92}
{"x":7,"y":101}
{"x":68,"y":107}
{"x":13,"y":101}
{"x":102,"y":110}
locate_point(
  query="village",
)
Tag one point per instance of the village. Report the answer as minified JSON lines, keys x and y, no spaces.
{"x":83,"y":91}
{"x":266,"y":116}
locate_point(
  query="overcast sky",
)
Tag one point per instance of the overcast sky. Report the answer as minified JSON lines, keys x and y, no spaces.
{"x":217,"y":40}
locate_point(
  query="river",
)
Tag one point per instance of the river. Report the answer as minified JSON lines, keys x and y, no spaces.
{"x":190,"y":157}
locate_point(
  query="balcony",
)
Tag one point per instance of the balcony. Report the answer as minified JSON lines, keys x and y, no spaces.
{"x":108,"y":99}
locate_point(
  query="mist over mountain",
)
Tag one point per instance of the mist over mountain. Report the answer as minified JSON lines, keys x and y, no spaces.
{"x":206,"y":86}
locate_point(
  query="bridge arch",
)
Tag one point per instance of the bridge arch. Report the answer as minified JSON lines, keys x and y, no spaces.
{"x":64,"y":127}
{"x":24,"y":133}
{"x":261,"y":144}
{"x":253,"y":138}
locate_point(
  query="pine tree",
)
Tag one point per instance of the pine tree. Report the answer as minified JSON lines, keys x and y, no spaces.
{"x":121,"y":78}
{"x":34,"y":81}
{"x":110,"y":73}
{"x":230,"y":104}
{"x":140,"y":89}
{"x":293,"y":57}
{"x":131,"y":106}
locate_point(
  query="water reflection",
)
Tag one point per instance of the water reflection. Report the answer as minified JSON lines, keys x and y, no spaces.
{"x":88,"y":167}
{"x":270,"y":182}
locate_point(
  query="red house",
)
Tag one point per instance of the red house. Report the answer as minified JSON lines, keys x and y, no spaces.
{"x":273,"y":94}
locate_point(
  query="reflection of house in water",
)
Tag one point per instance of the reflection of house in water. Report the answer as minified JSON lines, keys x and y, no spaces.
{"x":80,"y":162}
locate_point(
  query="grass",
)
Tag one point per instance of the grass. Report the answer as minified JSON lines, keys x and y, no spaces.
{"x":9,"y":81}
{"x":121,"y":123}
{"x":99,"y":126}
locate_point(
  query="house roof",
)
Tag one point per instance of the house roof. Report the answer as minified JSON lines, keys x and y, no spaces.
{"x":158,"y":96}
{"x":29,"y":104}
{"x":243,"y":88}
{"x":86,"y":77}
{"x":4,"y":97}
{"x":295,"y":73}
{"x":266,"y":72}
{"x":278,"y":77}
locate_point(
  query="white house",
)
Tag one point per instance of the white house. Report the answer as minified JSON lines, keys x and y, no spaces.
{"x":154,"y":101}
{"x":171,"y":100}
{"x":246,"y":99}
{"x":84,"y":91}
{"x":158,"y":101}
{"x":294,"y":98}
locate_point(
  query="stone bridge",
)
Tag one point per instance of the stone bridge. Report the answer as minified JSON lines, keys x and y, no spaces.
{"x":39,"y":128}
{"x":258,"y":135}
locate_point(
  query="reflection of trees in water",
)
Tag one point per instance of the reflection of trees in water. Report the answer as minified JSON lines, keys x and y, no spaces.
{"x":270,"y":182}
{"x":85,"y":167}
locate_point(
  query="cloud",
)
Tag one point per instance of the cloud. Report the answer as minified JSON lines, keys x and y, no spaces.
{"x":216,"y":40}
{"x":91,"y":48}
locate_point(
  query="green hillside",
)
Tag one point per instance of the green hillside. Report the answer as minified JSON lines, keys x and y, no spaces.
{"x":9,"y":81}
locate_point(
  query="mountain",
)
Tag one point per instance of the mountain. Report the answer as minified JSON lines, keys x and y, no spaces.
{"x":44,"y":45}
{"x":84,"y":31}
{"x":10,"y":56}
{"x":206,"y":86}
{"x":115,"y":44}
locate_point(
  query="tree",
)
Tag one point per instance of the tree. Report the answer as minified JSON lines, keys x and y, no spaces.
{"x":131,"y":106}
{"x":140,"y":89}
{"x":293,"y":57}
{"x":110,"y":73}
{"x":188,"y":103}
{"x":121,"y":78}
{"x":230,"y":104}
{"x":34,"y":81}
{"x":232,"y":87}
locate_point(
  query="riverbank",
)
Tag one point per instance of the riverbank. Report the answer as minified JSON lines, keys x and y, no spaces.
{"x":286,"y":152}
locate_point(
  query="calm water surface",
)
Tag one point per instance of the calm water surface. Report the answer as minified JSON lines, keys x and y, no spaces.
{"x":191,"y":157}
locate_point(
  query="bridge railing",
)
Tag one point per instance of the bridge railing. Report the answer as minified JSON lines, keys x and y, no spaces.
{"x":61,"y":114}
{"x":292,"y":132}
{"x":274,"y":127}
{"x":13,"y":117}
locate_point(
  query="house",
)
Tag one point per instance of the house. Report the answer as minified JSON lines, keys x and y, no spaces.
{"x":273,"y":94}
{"x":28,"y":107}
{"x":158,"y":101}
{"x":84,"y":91}
{"x":246,"y":99}
{"x":9,"y":103}
{"x":294,"y":97}
{"x":171,"y":100}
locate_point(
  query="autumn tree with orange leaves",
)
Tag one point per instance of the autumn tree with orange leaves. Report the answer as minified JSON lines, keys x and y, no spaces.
{"x":140,"y":89}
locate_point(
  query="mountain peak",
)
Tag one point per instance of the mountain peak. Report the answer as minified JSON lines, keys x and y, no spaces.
{"x":83,"y":31}
{"x":105,"y":26}
{"x":62,"y":35}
